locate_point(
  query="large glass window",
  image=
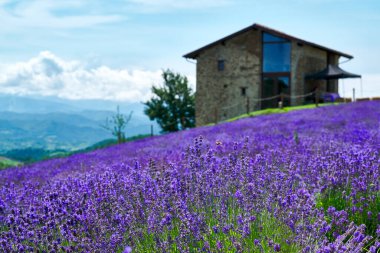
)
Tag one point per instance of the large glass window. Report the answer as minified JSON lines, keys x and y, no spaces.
{"x":276,"y":54}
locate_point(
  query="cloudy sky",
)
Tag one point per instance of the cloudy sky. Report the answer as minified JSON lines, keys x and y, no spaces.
{"x":116,"y":49}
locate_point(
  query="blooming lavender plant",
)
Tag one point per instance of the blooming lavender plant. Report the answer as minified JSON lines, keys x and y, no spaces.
{"x":245,"y":186}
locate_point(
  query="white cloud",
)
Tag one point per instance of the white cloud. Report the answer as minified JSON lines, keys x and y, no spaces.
{"x":49,"y":75}
{"x":49,"y":14}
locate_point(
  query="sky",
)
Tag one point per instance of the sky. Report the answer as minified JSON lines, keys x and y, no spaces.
{"x":117,"y":49}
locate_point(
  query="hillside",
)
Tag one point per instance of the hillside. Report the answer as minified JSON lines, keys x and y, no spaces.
{"x":66,"y":131}
{"x":49,"y":131}
{"x":6,"y":163}
{"x":59,"y":124}
{"x":284,"y":182}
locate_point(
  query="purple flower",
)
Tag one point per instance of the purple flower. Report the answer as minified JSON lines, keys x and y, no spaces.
{"x":219,"y":245}
{"x":127,"y":249}
{"x":172,"y":184}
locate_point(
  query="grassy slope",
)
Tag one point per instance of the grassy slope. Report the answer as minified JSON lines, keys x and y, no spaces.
{"x":276,"y":110}
{"x":32,"y":155}
{"x":6,"y":163}
{"x":265,"y":222}
{"x":273,"y":111}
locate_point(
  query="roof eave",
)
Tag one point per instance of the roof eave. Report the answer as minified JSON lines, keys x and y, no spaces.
{"x":290,"y":37}
{"x":194,"y":54}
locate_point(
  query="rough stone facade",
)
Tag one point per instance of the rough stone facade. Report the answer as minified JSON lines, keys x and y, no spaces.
{"x":235,"y":90}
{"x":305,"y":60}
{"x":219,"y":93}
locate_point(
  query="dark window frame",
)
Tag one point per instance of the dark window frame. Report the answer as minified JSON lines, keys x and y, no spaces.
{"x":274,"y":38}
{"x":277,"y":40}
{"x":276,"y":76}
{"x":221,"y":65}
{"x":243,"y":91}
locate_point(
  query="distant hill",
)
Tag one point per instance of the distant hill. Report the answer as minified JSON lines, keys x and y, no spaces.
{"x":20,"y":156}
{"x":38,"y":104}
{"x":49,"y":131}
{"x":11,"y":103}
{"x":57,"y":124}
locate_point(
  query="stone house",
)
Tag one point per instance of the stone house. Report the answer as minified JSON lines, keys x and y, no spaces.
{"x":254,"y":69}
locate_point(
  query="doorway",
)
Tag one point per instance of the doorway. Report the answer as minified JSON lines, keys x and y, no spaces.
{"x":274,"y":85}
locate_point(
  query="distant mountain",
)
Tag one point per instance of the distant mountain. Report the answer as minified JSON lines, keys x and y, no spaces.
{"x":49,"y":131}
{"x":52,"y":124}
{"x":38,"y":104}
{"x":11,"y":103}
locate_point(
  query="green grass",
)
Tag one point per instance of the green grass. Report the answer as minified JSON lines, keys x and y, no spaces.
{"x":264,"y":227}
{"x":367,"y":202}
{"x":6,"y":163}
{"x":276,"y":111}
{"x":107,"y":143}
{"x":32,"y":155}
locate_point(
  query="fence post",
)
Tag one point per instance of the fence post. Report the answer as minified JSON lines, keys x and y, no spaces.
{"x":353,"y":94}
{"x":151,"y":130}
{"x":216,"y":115}
{"x":317,"y":96}
{"x":247,"y":105}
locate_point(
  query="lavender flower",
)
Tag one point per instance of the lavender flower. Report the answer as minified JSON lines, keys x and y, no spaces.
{"x":208,"y":187}
{"x":127,"y":249}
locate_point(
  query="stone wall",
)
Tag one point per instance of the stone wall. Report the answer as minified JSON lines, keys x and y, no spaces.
{"x":219,"y":93}
{"x":306,"y":60}
{"x":333,"y":59}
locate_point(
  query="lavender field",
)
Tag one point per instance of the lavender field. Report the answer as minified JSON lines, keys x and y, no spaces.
{"x":304,"y":181}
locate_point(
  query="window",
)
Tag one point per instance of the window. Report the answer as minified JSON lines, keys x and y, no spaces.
{"x":276,"y":54}
{"x":243,"y":91}
{"x":272,"y":38}
{"x":220,"y":65}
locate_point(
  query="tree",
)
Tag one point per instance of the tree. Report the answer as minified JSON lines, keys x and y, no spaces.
{"x":173,"y":104}
{"x":117,"y":123}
